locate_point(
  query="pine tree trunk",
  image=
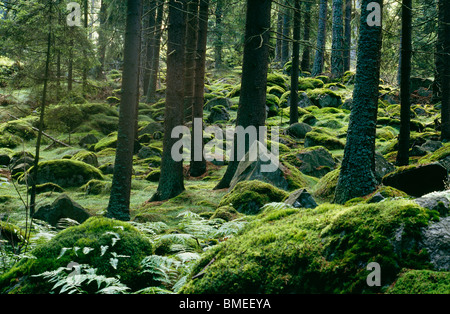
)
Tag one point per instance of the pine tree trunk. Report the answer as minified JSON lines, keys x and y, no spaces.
{"x":150,"y":44}
{"x":119,"y":202}
{"x":306,"y":57}
{"x":286,"y":43}
{"x":171,"y":181}
{"x":279,"y":42}
{"x":293,"y":117}
{"x":405,"y":92}
{"x":347,"y":35}
{"x":191,"y":48}
{"x":337,"y":46}
{"x":321,"y":39}
{"x":198,"y":162}
{"x":102,"y":41}
{"x":252,"y":103}
{"x":153,"y":79}
{"x":444,"y":14}
{"x":218,"y":44}
{"x":85,"y":57}
{"x":357,"y":176}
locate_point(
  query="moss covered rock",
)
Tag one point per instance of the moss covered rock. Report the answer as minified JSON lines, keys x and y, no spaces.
{"x":249,"y":196}
{"x":107,"y":142}
{"x":314,"y":138}
{"x":66,"y":172}
{"x":86,"y":157}
{"x":321,"y":250}
{"x":226,"y":213}
{"x":421,"y":282}
{"x":103,"y":238}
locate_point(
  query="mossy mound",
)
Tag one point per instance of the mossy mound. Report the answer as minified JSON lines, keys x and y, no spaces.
{"x":226,"y":213}
{"x":66,"y":172}
{"x":20,"y":128}
{"x":326,"y":186}
{"x":86,"y":157}
{"x":307,"y":83}
{"x":116,"y":238}
{"x":11,"y":233}
{"x":321,"y":250}
{"x":275,"y":79}
{"x":107,"y":142}
{"x":96,"y":187}
{"x":249,"y":196}
{"x":314,"y":138}
{"x":421,"y":282}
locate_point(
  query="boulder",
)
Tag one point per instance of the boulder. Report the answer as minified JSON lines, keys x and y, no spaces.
{"x":431,"y":146}
{"x":382,"y":167}
{"x":86,"y":157}
{"x":151,"y":128}
{"x":218,"y":113}
{"x":62,"y":207}
{"x":4,"y":160}
{"x":439,"y":201}
{"x":88,"y":140}
{"x":301,"y":199}
{"x":436,"y":241}
{"x":418,"y":180}
{"x":298,"y":130}
{"x":316,"y":161}
{"x":149,"y":151}
{"x":218,"y":101}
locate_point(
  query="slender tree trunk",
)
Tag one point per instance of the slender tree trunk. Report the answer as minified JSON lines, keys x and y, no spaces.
{"x":86,"y":24}
{"x":357,"y":176}
{"x":218,"y":44}
{"x":198,"y":162}
{"x":348,"y":34}
{"x":153,"y":79}
{"x":337,"y":47}
{"x":171,"y":181}
{"x":279,"y":42}
{"x":295,"y":65}
{"x":285,"y":48}
{"x":42,"y":115}
{"x":150,"y":44}
{"x":306,"y":58}
{"x":252,"y":103}
{"x":444,"y":14}
{"x":191,"y":49}
{"x":119,"y":202}
{"x":321,"y":39}
{"x":102,"y":40}
{"x":405,"y":90}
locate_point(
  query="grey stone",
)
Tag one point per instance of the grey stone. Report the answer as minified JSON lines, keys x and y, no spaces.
{"x":316,"y":162}
{"x":432,"y":146}
{"x":219,"y":101}
{"x":218,"y":113}
{"x":301,"y":199}
{"x":439,"y":201}
{"x":436,"y":241}
{"x":298,"y":130}
{"x":382,"y":167}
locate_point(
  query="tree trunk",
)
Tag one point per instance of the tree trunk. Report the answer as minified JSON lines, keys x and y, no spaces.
{"x":171,"y":180}
{"x":293,"y":117}
{"x":198,"y":162}
{"x":42,"y":115}
{"x":102,"y":40}
{"x":306,"y":57}
{"x":321,"y":39}
{"x":337,"y":47}
{"x":85,"y":57}
{"x":119,"y":202}
{"x":279,"y":42}
{"x":218,"y":44}
{"x":191,"y":48}
{"x":348,"y":34}
{"x":405,"y":90}
{"x":444,"y":14}
{"x":357,"y":176}
{"x":285,"y":48}
{"x":150,"y":44}
{"x":252,"y":103}
{"x":153,"y":79}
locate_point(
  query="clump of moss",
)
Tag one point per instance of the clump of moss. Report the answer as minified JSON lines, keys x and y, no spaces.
{"x":66,"y":172}
{"x":326,"y":186}
{"x":274,"y":79}
{"x":226,"y":213}
{"x":314,"y":138}
{"x":107,"y":142}
{"x":96,"y":187}
{"x":11,"y":233}
{"x":249,"y":196}
{"x":116,"y":237}
{"x":307,"y":83}
{"x":439,"y":154}
{"x":153,"y":176}
{"x":48,"y":187}
{"x":321,"y":250}
{"x":276,"y":90}
{"x":421,"y":282}
{"x":86,"y":157}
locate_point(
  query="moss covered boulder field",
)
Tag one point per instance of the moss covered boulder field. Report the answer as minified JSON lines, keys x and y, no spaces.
{"x":205,"y":165}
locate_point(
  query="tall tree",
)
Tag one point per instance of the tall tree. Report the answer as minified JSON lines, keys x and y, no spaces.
{"x":119,"y":201}
{"x":279,"y":42}
{"x":321,"y":39}
{"x":198,"y":163}
{"x":405,"y":81}
{"x":306,"y":57}
{"x":218,"y":43}
{"x":154,"y":68}
{"x":337,"y":45}
{"x":191,"y":49}
{"x":444,"y":31}
{"x":293,"y":117}
{"x":348,"y":34}
{"x":150,"y":29}
{"x":171,"y":181}
{"x":86,"y":25}
{"x":357,"y":176}
{"x":252,"y":102}
{"x":286,"y":43}
{"x":102,"y":40}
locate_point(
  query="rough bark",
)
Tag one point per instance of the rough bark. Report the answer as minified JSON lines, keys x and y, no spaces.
{"x":321,"y":38}
{"x":357,"y":176}
{"x":119,"y":202}
{"x":444,"y":14}
{"x":293,"y":116}
{"x":348,"y":34}
{"x":306,"y":57}
{"x":153,"y":78}
{"x":337,"y":46}
{"x":191,"y":48}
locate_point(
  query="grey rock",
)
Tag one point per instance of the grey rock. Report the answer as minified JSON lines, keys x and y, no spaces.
{"x":316,"y":162}
{"x":88,"y":140}
{"x":382,"y":167}
{"x":219,"y":101}
{"x":436,"y":240}
{"x":298,"y":130}
{"x":301,"y":199}
{"x":376,"y":198}
{"x":439,"y":201}
{"x":218,"y":113}
{"x":432,"y":146}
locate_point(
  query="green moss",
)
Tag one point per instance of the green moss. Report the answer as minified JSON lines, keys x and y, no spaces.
{"x":321,"y":250}
{"x":325,"y":79}
{"x":326,"y":186}
{"x":20,"y":128}
{"x":86,"y":157}
{"x":274,"y":79}
{"x":48,"y":187}
{"x":317,"y":92}
{"x":249,"y":196}
{"x":66,"y":172}
{"x":93,"y":233}
{"x":439,"y":154}
{"x":107,"y":142}
{"x":276,"y":90}
{"x":153,"y":176}
{"x":421,"y":282}
{"x":11,"y":233}
{"x":96,"y":187}
{"x":314,"y":138}
{"x":235,"y":92}
{"x":226,"y":213}
{"x":308,"y":83}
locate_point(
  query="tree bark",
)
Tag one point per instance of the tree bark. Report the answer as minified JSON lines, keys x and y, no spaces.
{"x":321,"y":39}
{"x":444,"y":15}
{"x":102,"y":40}
{"x":191,"y":48}
{"x":198,"y":163}
{"x":119,"y":202}
{"x":252,"y":103}
{"x":337,"y":46}
{"x":153,"y":79}
{"x":285,"y":48}
{"x":357,"y":176}
{"x":279,"y":42}
{"x":306,"y":57}
{"x":405,"y":90}
{"x":348,"y":35}
{"x":171,"y":181}
{"x":218,"y":44}
{"x":293,"y":117}
{"x":150,"y":44}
